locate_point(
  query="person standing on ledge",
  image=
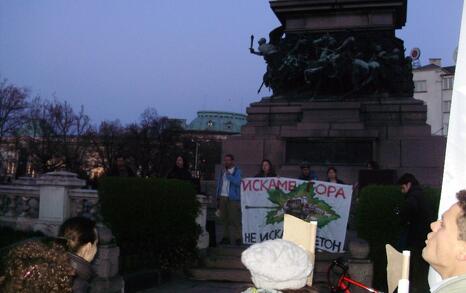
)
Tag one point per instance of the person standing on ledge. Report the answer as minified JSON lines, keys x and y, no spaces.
{"x":306,"y":172}
{"x":267,"y":169}
{"x":332,"y":176}
{"x":229,"y":196}
{"x":121,"y":169}
{"x":180,"y":170}
{"x":445,"y":248}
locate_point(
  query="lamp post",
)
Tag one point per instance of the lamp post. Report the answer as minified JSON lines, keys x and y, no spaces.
{"x":196,"y":159}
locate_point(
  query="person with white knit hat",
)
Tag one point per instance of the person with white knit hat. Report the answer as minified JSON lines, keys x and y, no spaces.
{"x":277,"y":265}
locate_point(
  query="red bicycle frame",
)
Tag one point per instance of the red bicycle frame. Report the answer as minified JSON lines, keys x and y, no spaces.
{"x":344,"y":281}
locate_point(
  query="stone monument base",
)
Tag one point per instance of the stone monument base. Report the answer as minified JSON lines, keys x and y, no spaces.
{"x":343,"y":134}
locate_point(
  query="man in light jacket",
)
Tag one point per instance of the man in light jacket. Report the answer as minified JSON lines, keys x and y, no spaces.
{"x":445,"y":248}
{"x":229,"y":196}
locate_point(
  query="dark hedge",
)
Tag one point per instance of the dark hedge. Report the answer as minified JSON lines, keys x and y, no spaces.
{"x":153,"y":221}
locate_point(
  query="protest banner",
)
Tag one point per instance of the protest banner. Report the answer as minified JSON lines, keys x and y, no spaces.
{"x":264,"y":202}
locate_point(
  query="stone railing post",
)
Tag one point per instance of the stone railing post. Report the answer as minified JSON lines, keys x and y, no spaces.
{"x":203,"y":240}
{"x":54,"y":204}
{"x":360,"y":266}
{"x":106,"y":264}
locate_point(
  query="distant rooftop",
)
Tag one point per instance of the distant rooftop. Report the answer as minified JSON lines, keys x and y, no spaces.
{"x":435,"y":64}
{"x":216,"y":121}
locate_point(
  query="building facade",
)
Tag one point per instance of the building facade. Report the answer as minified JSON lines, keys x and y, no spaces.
{"x":207,"y":132}
{"x":214,"y":121}
{"x":433,"y":84}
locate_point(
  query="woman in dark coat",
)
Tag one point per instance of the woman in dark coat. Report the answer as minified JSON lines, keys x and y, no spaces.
{"x":417,"y":214}
{"x":267,"y":169}
{"x":79,"y":236}
{"x":180,"y":170}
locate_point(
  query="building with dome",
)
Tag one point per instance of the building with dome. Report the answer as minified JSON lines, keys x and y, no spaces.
{"x":217,"y":122}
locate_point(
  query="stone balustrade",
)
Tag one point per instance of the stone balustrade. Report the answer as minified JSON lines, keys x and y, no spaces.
{"x":43,"y":203}
{"x":19,"y":201}
{"x":84,"y":202}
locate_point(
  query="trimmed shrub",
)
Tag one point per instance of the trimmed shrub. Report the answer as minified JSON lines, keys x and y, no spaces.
{"x":153,"y":220}
{"x":378,"y":223}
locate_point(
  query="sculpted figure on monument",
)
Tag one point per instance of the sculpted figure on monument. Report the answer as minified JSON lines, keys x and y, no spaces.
{"x":331,"y":63}
{"x":336,"y":66}
{"x":271,"y":53}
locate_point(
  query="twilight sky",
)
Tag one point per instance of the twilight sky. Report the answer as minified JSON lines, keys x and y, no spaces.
{"x":118,"y":57}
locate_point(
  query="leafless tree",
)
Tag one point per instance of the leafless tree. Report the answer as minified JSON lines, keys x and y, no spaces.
{"x":108,"y":143}
{"x":153,"y":143}
{"x":13,"y":102}
{"x":59,"y":137}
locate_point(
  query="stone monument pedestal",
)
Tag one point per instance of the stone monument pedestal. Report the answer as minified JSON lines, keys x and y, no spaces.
{"x":343,"y":134}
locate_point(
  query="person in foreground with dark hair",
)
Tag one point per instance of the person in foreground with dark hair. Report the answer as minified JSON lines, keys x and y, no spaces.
{"x":445,"y":248}
{"x":416,"y":214}
{"x":37,"y":266}
{"x":79,"y":236}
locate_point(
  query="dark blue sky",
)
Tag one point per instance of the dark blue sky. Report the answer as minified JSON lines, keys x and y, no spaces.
{"x":119,"y":57}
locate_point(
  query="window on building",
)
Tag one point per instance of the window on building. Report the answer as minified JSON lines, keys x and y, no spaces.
{"x":447,"y":83}
{"x":420,"y":86}
{"x":446,"y":106}
{"x":446,"y":117}
{"x":210,"y":124}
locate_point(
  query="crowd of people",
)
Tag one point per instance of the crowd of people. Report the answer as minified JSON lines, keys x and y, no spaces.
{"x":63,"y":263}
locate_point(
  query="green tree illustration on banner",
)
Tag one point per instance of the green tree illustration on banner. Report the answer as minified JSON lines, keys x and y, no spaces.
{"x":300,"y":202}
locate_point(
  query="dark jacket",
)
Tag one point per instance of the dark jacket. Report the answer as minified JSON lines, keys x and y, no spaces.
{"x":261,"y":174}
{"x":179,"y":173}
{"x":418,"y":213}
{"x":311,"y":176}
{"x":83,"y":273}
{"x":122,"y":172}
{"x":338,"y":181}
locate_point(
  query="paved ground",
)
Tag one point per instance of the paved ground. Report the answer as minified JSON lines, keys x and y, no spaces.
{"x":188,"y":286}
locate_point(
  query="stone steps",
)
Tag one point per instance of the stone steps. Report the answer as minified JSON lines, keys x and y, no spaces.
{"x":227,"y":250}
{"x":223,"y":263}
{"x":221,"y":274}
{"x":234,"y":262}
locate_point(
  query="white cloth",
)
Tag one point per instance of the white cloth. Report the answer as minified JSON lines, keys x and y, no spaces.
{"x":441,"y":283}
{"x":226,"y":183}
{"x":255,"y":290}
{"x":277,"y":264}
